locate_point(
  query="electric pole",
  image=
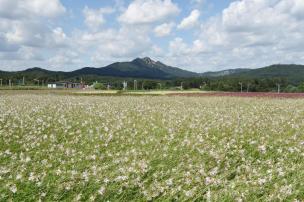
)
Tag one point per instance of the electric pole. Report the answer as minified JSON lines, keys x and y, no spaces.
{"x":248,"y":85}
{"x":1,"y":82}
{"x":135,"y":84}
{"x":241,"y":84}
{"x":160,"y":86}
{"x":125,"y":85}
{"x":279,"y":87}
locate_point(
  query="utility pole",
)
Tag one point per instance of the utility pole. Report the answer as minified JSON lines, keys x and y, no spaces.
{"x":125,"y":85}
{"x":241,"y":84}
{"x":1,"y":82}
{"x":248,"y":85}
{"x":181,"y":87}
{"x":10,"y":83}
{"x":142,"y":85}
{"x":23,"y":81}
{"x":135,"y":84}
{"x":279,"y":87}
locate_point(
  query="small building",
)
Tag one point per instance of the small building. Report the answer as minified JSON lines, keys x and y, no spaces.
{"x":66,"y":84}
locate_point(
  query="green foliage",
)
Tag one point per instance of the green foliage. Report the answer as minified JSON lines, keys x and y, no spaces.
{"x":301,"y":87}
{"x":291,"y":89}
{"x":99,"y":86}
{"x":151,"y":75}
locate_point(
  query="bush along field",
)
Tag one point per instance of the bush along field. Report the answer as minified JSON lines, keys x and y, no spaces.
{"x":73,"y":148}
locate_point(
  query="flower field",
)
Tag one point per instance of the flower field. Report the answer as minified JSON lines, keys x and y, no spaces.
{"x":161,"y":148}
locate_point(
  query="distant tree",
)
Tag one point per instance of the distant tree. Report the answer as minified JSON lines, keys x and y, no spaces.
{"x":99,"y":86}
{"x":301,"y":87}
{"x":291,"y":89}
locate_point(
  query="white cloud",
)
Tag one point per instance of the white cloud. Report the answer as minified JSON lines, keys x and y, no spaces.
{"x":29,"y":8}
{"x":63,"y":58}
{"x":94,"y":18}
{"x":22,"y":54}
{"x":249,"y":33}
{"x":26,"y":31}
{"x":110,"y":45}
{"x":190,"y":21}
{"x":148,"y":11}
{"x":163,"y":29}
{"x":59,"y":38}
{"x":178,"y":47}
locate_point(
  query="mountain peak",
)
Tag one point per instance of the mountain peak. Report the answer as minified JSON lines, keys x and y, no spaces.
{"x":148,"y":60}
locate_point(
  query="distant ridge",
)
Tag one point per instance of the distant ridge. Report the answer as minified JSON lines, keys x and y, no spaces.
{"x":293,"y":73}
{"x":138,"y":68}
{"x":224,"y":72}
{"x":146,"y":68}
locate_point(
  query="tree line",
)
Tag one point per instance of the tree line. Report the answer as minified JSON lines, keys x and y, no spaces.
{"x":230,"y":84}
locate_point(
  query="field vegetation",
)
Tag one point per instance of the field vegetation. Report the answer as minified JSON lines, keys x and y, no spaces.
{"x":129,"y":148}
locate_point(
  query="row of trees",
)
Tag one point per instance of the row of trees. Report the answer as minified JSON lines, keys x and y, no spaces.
{"x":208,"y":84}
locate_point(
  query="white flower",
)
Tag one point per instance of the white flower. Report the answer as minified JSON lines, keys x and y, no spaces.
{"x":18,"y":177}
{"x":169,"y":182}
{"x":106,"y":180}
{"x":101,"y":190}
{"x":262,"y":149}
{"x":13,"y":188}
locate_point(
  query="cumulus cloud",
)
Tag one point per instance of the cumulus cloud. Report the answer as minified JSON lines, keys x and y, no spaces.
{"x":94,"y":18}
{"x":163,"y":29}
{"x":114,"y":44}
{"x":190,"y":21}
{"x":63,"y":58}
{"x":249,"y":33}
{"x":148,"y":11}
{"x":29,"y":8}
{"x":26,"y":32}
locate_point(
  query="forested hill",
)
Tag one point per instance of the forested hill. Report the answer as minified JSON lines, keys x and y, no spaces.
{"x":145,"y":68}
{"x":292,"y":73}
{"x":138,"y":68}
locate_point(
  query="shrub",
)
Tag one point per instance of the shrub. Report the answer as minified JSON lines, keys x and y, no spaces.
{"x":99,"y":86}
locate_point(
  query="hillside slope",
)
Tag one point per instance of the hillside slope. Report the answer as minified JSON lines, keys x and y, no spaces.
{"x":294,"y":73}
{"x":138,"y":68}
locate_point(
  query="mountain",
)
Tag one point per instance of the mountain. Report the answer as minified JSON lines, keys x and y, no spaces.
{"x":290,"y":72}
{"x":293,"y":73}
{"x":224,"y":72}
{"x":144,"y":68}
{"x":138,"y":68}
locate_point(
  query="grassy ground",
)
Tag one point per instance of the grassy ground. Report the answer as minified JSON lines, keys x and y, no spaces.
{"x":79,"y":148}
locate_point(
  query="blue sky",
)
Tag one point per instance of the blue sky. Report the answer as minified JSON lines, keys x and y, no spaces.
{"x":197,"y":35}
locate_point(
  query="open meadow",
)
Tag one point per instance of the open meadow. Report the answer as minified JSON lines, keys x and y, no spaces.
{"x":57,"y":147}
